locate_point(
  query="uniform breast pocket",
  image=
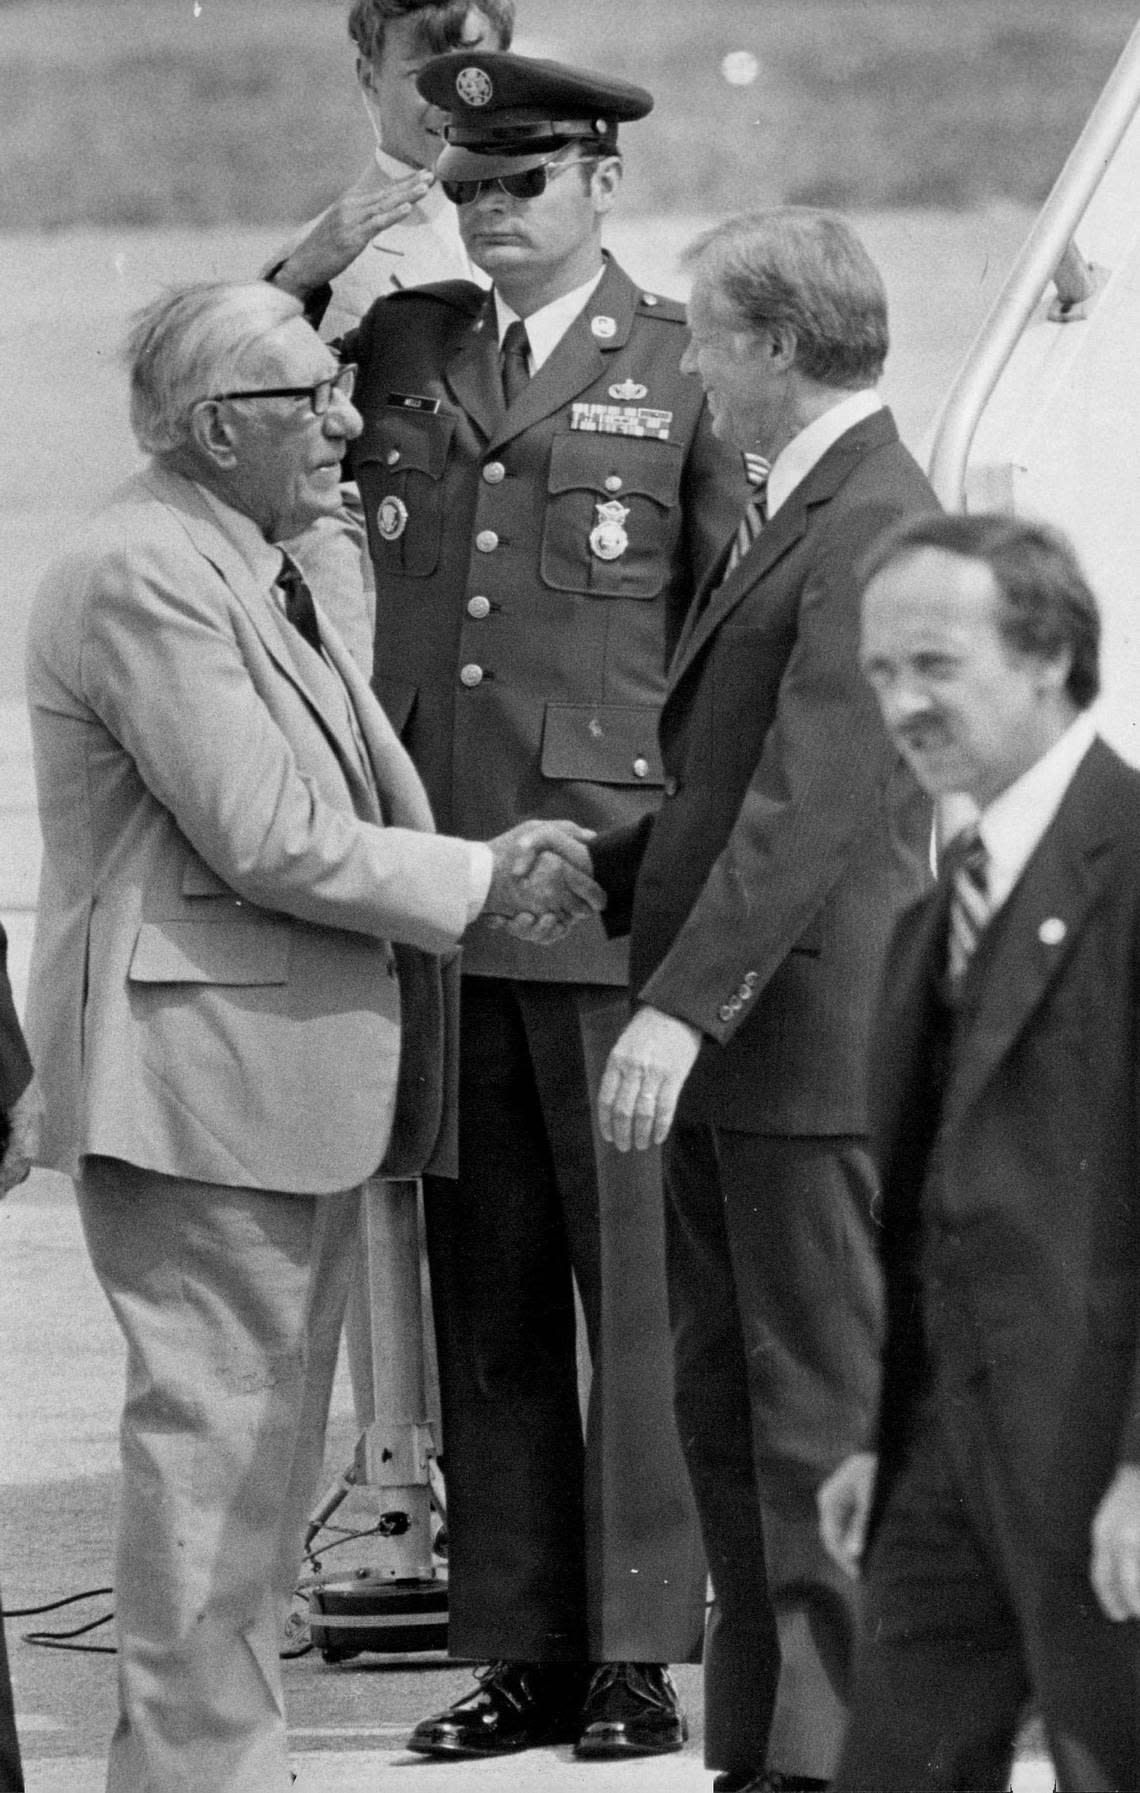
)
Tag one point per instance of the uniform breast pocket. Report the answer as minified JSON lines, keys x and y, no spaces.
{"x":399,"y":465}
{"x":611,"y":514}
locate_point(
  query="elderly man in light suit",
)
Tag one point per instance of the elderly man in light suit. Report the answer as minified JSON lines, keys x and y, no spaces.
{"x":240,"y":877}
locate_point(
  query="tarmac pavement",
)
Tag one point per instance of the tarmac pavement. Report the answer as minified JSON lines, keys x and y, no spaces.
{"x":63,"y":301}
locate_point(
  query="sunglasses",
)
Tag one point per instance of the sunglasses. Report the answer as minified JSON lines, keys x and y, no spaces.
{"x":526,"y":185}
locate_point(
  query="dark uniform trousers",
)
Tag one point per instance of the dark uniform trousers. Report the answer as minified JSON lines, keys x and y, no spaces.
{"x":544,"y":1528}
{"x":534,"y":566}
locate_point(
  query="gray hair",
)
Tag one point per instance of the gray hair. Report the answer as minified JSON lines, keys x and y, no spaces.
{"x":191,"y":342}
{"x":806,"y":270}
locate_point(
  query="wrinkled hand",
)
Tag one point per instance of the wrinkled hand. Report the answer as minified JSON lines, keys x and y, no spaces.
{"x":542,"y":883}
{"x":844,"y":1503}
{"x":1115,"y":1567}
{"x":346,"y":227}
{"x":643,"y":1079}
{"x":23,"y":1138}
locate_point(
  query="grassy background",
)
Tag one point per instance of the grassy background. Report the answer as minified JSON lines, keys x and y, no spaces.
{"x":208,"y":112}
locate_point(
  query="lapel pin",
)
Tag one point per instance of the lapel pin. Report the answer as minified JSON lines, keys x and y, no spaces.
{"x":1052,"y":931}
{"x":603,"y":327}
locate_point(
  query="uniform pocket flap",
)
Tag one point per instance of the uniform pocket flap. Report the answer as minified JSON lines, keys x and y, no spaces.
{"x":407,"y":441}
{"x":602,"y":743}
{"x":616,"y":465}
{"x":222,"y":951}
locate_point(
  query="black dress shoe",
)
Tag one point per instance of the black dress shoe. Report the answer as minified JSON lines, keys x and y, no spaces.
{"x":763,"y":1780}
{"x":517,"y":1705}
{"x":631,"y":1709}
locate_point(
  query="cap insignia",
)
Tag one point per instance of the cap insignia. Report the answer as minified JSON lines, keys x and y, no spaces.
{"x":474,"y":87}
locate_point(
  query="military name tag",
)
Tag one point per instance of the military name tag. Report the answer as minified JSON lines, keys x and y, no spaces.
{"x":391,"y":518}
{"x":620,"y":420}
{"x":608,"y":539}
{"x":412,"y":401}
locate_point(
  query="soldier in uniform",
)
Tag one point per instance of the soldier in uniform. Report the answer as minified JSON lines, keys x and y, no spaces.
{"x":543,"y":492}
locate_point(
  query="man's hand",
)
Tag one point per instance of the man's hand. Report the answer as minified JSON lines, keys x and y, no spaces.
{"x":23,"y":1138}
{"x":1115,"y":1567}
{"x":542,"y":882}
{"x":346,"y":227}
{"x":644,"y":1078}
{"x":844,"y":1503}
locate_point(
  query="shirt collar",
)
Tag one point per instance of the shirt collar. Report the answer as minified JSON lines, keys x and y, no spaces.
{"x":262,"y":558}
{"x":794,"y":462}
{"x":546,"y":328}
{"x":1012,"y":826}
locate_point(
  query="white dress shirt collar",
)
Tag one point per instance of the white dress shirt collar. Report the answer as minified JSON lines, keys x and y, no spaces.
{"x":546,"y":328}
{"x":1013,"y":824}
{"x":263,"y":558}
{"x":795,"y":462}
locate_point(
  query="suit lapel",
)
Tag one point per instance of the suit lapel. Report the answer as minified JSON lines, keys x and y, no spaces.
{"x":294,"y":659}
{"x":472,"y":375}
{"x":714,"y":603}
{"x":1043,"y":918}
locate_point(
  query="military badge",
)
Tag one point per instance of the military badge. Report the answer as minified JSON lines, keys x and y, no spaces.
{"x":473,"y":86}
{"x":608,"y":539}
{"x":603,"y":327}
{"x":391,"y":518}
{"x":620,"y":420}
{"x":626,"y":390}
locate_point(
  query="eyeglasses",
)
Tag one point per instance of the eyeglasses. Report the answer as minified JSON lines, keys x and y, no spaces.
{"x":527,"y":185}
{"x":320,"y":396}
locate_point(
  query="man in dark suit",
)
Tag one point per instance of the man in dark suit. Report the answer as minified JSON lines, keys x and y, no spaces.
{"x":538,"y":519}
{"x":17,"y":1113}
{"x":1004,"y":1558}
{"x":759,"y":900}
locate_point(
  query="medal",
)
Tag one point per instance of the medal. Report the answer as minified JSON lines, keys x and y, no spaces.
{"x":608,"y":539}
{"x":391,"y":518}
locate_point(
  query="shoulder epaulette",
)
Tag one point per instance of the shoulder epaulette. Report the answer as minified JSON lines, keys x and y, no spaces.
{"x":658,"y":306}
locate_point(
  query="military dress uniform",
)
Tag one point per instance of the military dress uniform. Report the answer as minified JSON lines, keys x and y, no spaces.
{"x":534,"y":564}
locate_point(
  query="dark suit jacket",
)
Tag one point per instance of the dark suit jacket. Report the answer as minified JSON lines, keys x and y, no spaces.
{"x":1038,"y":1269}
{"x":15,"y":1065}
{"x":761,"y":897}
{"x":523,"y":668}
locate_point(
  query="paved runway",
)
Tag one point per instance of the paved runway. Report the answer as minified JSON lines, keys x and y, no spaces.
{"x":63,"y":301}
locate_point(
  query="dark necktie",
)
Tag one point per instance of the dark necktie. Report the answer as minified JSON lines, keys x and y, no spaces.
{"x":299,"y":606}
{"x":967,"y":866}
{"x":513,"y":365}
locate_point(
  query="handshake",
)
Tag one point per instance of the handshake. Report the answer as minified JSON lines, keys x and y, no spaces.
{"x":542,"y":883}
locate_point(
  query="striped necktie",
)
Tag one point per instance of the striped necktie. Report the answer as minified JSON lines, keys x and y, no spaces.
{"x":967,"y":864}
{"x":299,"y":606}
{"x":514,"y":364}
{"x":755,"y":513}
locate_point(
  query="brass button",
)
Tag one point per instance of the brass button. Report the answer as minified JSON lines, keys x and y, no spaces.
{"x":640,"y":767}
{"x":494,"y":473}
{"x":613,"y":483}
{"x":393,"y":456}
{"x":744,"y":992}
{"x":751,"y":978}
{"x":671,"y":786}
{"x":486,"y":541}
{"x":471,"y":675}
{"x":725,"y":1012}
{"x":479,"y":607}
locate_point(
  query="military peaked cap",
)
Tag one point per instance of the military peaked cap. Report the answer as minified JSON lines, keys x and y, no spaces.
{"x":507,"y":113}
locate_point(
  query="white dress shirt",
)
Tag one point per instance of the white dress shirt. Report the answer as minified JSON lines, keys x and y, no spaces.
{"x":1013,"y":824}
{"x":546,"y":328}
{"x":793,"y":463}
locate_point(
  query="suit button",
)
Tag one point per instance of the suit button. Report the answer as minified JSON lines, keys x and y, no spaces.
{"x":486,"y":541}
{"x":751,"y":978}
{"x":471,"y":676}
{"x":671,"y":788}
{"x":725,"y":1012}
{"x":479,"y":607}
{"x":494,"y":473}
{"x":744,"y":992}
{"x":640,"y":767}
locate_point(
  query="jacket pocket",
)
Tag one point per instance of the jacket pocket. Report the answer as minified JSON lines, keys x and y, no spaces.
{"x":602,"y":744}
{"x":626,"y":556}
{"x":226,"y":950}
{"x":399,"y":464}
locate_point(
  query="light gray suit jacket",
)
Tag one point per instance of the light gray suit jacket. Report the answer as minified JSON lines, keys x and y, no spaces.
{"x":228,"y":857}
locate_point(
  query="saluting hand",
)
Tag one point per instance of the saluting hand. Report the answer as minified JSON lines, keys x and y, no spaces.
{"x":346,"y":227}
